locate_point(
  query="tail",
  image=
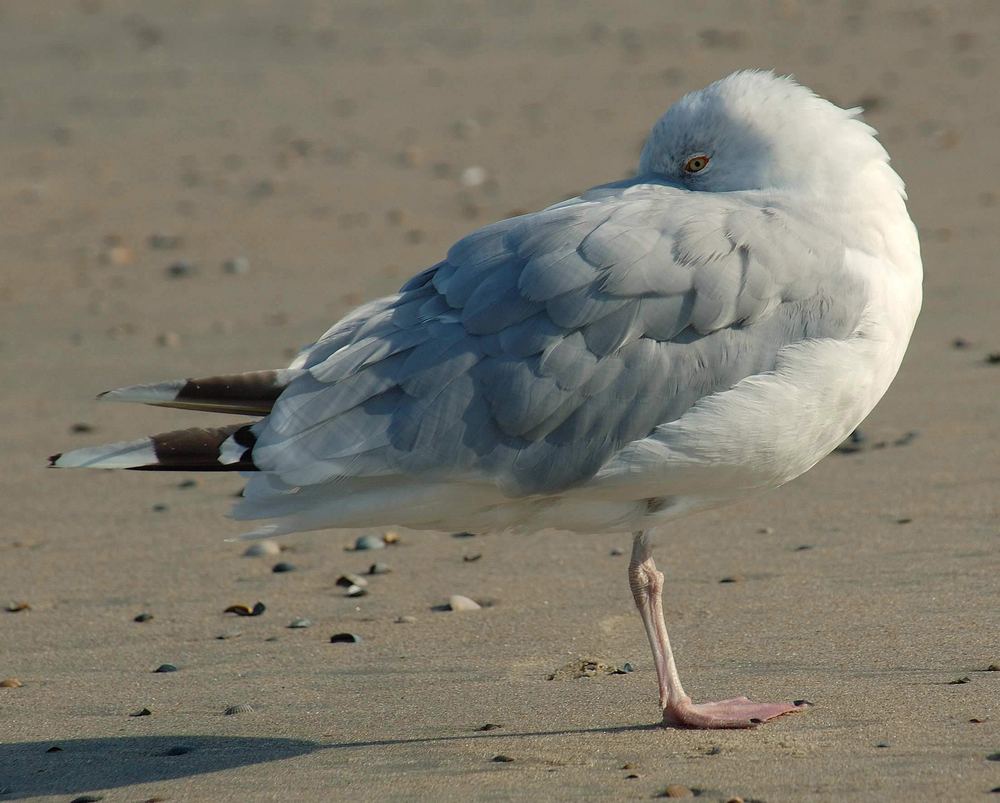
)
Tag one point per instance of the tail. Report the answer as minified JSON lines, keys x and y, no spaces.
{"x":252,"y":393}
{"x":216,"y":449}
{"x":226,"y":448}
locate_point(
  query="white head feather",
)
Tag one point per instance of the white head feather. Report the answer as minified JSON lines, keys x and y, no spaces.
{"x":766,"y":132}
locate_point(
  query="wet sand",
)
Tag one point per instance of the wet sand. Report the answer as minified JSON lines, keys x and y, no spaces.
{"x":327,"y":145}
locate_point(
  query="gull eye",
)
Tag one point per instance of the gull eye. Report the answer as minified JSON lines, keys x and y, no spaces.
{"x":696,"y":163}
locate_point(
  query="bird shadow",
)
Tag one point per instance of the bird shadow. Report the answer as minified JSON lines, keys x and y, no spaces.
{"x":70,"y":766}
{"x":73,"y":766}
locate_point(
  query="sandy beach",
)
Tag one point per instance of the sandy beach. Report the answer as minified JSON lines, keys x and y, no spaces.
{"x":196,"y":188}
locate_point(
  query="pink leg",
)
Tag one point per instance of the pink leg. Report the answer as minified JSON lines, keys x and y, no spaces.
{"x":678,"y":710}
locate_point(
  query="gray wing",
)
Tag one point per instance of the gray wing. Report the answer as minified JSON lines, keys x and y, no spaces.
{"x":544,"y":344}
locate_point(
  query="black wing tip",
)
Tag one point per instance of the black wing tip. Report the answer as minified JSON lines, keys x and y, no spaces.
{"x":53,"y":459}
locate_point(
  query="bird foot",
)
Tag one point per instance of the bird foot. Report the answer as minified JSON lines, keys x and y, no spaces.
{"x":738,"y":712}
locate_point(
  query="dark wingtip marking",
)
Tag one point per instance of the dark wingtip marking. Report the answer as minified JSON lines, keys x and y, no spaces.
{"x":53,"y":459}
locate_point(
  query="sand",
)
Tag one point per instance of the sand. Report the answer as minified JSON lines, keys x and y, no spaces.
{"x":326,"y":144}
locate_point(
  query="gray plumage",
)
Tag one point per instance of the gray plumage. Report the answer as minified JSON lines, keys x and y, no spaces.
{"x":545,"y":343}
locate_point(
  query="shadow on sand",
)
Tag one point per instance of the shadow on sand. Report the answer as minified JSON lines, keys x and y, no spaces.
{"x":28,"y":769}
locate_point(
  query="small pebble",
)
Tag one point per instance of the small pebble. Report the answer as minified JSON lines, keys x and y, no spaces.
{"x":299,"y":623}
{"x":271,"y":638}
{"x":617,"y":551}
{"x":993,"y":358}
{"x":345,"y":638}
{"x":348,"y":579}
{"x":765,"y":530}
{"x":502,"y":759}
{"x":489,"y":726}
{"x":177,"y":750}
{"x":379,"y":568}
{"x":262,"y":549}
{"x":904,"y":520}
{"x":164,"y":242}
{"x":734,"y":799}
{"x":160,"y":508}
{"x":881,"y":744}
{"x":959,"y":681}
{"x":411,"y":156}
{"x":236,"y":265}
{"x":472,"y":558}
{"x":405,"y":620}
{"x":118,"y":255}
{"x":181,"y":269}
{"x":960,"y":343}
{"x":631,"y":777}
{"x":142,"y":617}
{"x":170,"y":340}
{"x":282,"y":567}
{"x":356,"y":591}
{"x":188,"y":483}
{"x":165,"y":668}
{"x":473,"y":176}
{"x":977,"y":720}
{"x":17,"y":606}
{"x":676,"y":790}
{"x":142,"y":712}
{"x":456,"y":602}
{"x":10,"y":683}
{"x":368,"y":542}
{"x":391,"y":537}
{"x":80,"y":428}
{"x":463,"y":535}
{"x":734,"y":578}
{"x":466,"y":128}
{"x":242,"y":708}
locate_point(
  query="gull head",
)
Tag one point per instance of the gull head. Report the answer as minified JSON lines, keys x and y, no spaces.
{"x":754,"y":130}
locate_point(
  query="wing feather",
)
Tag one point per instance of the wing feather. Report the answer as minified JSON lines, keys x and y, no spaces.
{"x":545,"y":344}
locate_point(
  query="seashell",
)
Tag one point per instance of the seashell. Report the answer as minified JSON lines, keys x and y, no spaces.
{"x":262,"y":549}
{"x":349,"y":579}
{"x":282,"y":567}
{"x":299,"y":623}
{"x":165,"y":668}
{"x":10,"y":683}
{"x":345,"y":638}
{"x":368,"y":542}
{"x":243,"y":610}
{"x":456,"y":602}
{"x":242,"y":708}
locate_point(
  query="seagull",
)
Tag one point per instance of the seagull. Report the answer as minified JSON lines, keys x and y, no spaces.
{"x":706,"y":330}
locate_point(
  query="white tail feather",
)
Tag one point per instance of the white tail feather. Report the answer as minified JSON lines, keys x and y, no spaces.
{"x":124,"y":454}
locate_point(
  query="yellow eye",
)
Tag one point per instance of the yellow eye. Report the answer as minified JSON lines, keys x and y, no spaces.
{"x":696,"y":164}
